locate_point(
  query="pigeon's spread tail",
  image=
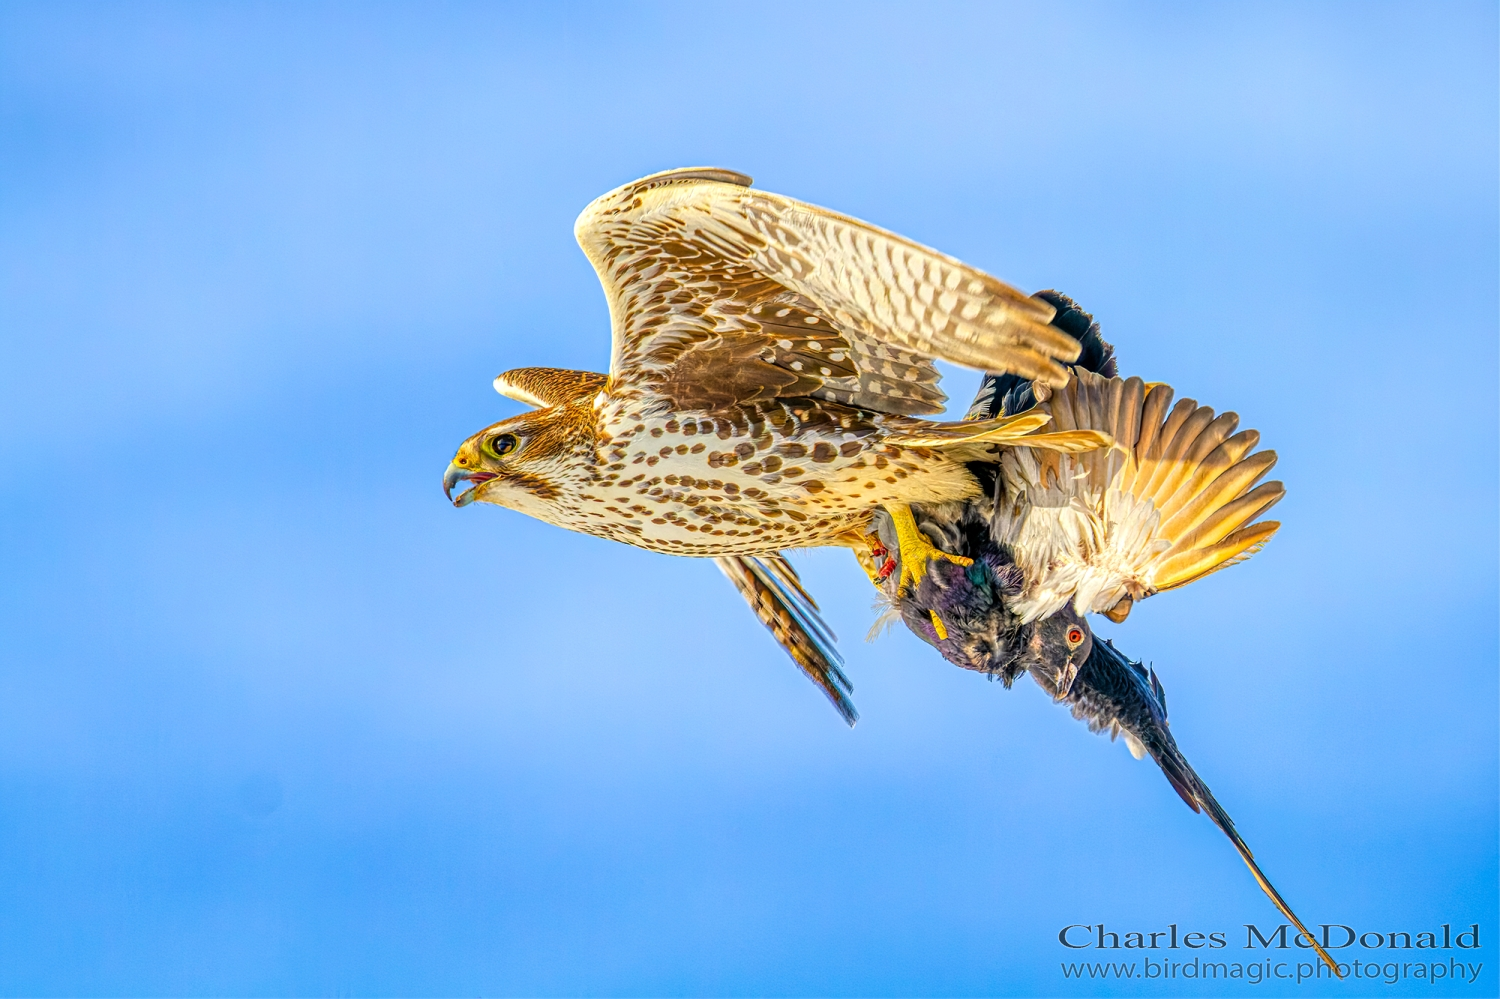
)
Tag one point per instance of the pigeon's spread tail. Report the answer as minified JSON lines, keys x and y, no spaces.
{"x":1197,"y":474}
{"x":1173,"y":500}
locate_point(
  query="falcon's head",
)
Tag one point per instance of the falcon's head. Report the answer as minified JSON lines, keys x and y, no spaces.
{"x":523,"y":463}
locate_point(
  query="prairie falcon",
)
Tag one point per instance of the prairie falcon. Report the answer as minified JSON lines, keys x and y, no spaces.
{"x":771,"y":363}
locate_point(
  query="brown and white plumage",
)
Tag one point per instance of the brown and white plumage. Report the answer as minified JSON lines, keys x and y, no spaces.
{"x":722,"y":293}
{"x":549,"y":386}
{"x":1174,"y":500}
{"x":770,"y":364}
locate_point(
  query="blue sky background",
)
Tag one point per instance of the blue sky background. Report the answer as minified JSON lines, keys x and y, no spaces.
{"x":276,"y":720}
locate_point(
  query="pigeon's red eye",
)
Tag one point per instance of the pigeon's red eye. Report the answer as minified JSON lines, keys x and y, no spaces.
{"x":1075,"y":635}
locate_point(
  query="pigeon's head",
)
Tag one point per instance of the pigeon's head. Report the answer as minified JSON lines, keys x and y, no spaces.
{"x":1057,"y":648}
{"x":524,"y":463}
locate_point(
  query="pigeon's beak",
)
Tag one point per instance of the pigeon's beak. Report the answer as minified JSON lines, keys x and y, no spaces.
{"x":457,"y":473}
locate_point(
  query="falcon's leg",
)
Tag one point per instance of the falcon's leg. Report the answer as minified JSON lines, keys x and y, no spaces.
{"x":915,"y":550}
{"x":867,"y":548}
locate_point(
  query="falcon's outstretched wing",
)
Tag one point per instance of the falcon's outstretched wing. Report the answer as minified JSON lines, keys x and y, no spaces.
{"x":776,"y":595}
{"x":721,"y":295}
{"x":1173,"y":501}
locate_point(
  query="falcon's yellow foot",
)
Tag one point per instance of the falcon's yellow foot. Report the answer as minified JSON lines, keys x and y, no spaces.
{"x":937,"y":626}
{"x":915,"y":550}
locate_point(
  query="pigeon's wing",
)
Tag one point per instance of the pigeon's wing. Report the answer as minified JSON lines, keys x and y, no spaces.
{"x":1173,"y":501}
{"x":722,"y":295}
{"x":774,"y":592}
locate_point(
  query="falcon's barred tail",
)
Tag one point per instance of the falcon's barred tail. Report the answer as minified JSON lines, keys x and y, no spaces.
{"x":1113,"y":694}
{"x":771,"y":587}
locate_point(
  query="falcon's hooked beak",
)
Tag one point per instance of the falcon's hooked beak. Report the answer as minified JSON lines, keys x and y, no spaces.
{"x":457,"y":473}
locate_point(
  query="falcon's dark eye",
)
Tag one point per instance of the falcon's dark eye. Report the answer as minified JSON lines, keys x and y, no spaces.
{"x":503,"y":444}
{"x":1075,"y":636}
